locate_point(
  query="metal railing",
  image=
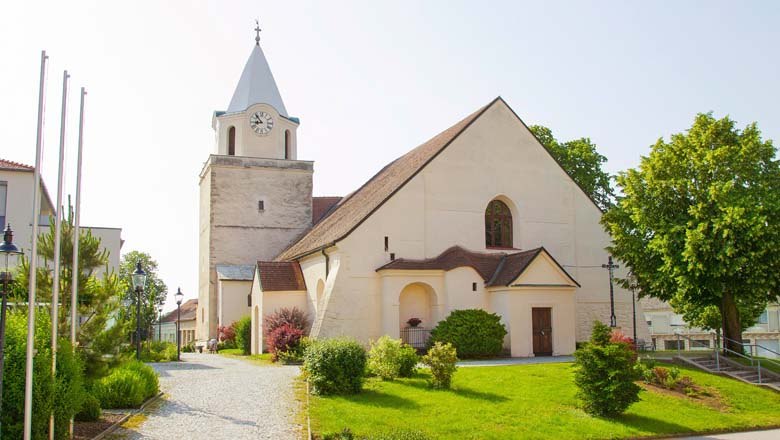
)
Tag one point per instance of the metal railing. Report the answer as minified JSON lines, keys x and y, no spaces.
{"x":755,"y":361}
{"x":417,"y":337}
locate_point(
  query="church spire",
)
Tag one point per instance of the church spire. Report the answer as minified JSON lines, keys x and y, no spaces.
{"x":256,"y":84}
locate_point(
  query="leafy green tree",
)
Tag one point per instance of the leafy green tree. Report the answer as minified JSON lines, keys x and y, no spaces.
{"x":583,"y":163}
{"x":155,"y":290}
{"x":698,"y":223}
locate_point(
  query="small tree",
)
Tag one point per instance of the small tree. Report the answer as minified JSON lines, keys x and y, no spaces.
{"x":244,"y":334}
{"x":605,"y":375}
{"x":441,"y":359}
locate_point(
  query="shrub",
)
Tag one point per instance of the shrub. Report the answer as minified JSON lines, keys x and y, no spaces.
{"x":227,"y":335}
{"x":389,"y":356}
{"x":282,"y":339}
{"x":294,"y":317}
{"x":243,"y":329}
{"x":605,"y":374}
{"x":90,"y":409}
{"x":441,"y":359}
{"x":149,"y":376}
{"x":346,"y":434}
{"x":189,"y":348}
{"x":159,"y":351}
{"x":335,"y":366}
{"x":294,"y":355}
{"x":120,"y":389}
{"x":64,"y":396}
{"x":617,"y":337}
{"x":473,"y":333}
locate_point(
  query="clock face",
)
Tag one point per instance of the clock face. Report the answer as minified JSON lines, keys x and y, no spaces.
{"x":261,"y":123}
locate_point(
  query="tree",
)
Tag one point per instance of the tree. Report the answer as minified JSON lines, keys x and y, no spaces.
{"x":698,"y":223}
{"x":155,"y":291}
{"x":583,"y":163}
{"x":98,"y":299}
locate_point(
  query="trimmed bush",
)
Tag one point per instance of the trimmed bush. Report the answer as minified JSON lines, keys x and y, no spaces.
{"x":294,"y":355}
{"x":159,"y":351}
{"x":189,"y":348}
{"x":149,"y":376}
{"x":90,"y":409}
{"x":473,"y":333}
{"x":283,"y":339}
{"x":244,"y":334}
{"x":335,"y":366}
{"x":120,"y":389}
{"x":69,"y":386}
{"x":227,"y":335}
{"x":390,"y":358}
{"x":441,"y":358}
{"x":605,"y":375}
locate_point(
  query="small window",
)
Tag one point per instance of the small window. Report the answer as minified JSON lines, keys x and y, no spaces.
{"x":498,"y":225}
{"x":249,"y":300}
{"x":672,"y":345}
{"x":700,"y":343}
{"x":232,"y":141}
{"x":387,"y":243}
{"x":392,"y":257}
{"x":474,"y":287}
{"x":287,"y":144}
{"x":261,"y":205}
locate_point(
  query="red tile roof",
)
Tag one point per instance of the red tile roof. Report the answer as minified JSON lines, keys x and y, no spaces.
{"x":280,"y":275}
{"x":321,"y":206}
{"x":356,"y":207}
{"x":11,"y":165}
{"x":496,"y":269}
{"x":188,"y":312}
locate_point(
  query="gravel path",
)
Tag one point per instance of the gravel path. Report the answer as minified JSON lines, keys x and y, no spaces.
{"x":213,"y":397}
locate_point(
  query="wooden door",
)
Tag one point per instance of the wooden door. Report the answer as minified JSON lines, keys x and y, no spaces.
{"x":542,"y":331}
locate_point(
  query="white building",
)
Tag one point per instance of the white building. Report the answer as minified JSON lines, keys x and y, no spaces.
{"x":16,"y":203}
{"x":479,"y":216}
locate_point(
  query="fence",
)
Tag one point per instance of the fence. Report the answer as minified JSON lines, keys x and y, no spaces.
{"x":417,"y":337}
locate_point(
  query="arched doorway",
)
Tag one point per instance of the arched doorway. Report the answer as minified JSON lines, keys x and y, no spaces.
{"x":417,"y":300}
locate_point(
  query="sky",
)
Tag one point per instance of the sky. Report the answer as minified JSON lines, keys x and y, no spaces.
{"x":369,"y":81}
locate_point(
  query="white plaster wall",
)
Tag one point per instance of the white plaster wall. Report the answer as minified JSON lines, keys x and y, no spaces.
{"x":111,"y":240}
{"x":232,"y":302}
{"x":18,"y":209}
{"x":458,"y":293}
{"x":273,"y":301}
{"x":206,"y":270}
{"x":444,"y":205}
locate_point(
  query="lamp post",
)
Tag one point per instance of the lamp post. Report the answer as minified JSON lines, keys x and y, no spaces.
{"x":139,"y":282}
{"x":632,"y":285}
{"x":611,"y":266}
{"x":7,"y":248}
{"x":179,"y":297}
{"x":159,"y":320}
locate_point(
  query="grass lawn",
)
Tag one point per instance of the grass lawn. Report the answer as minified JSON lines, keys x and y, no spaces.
{"x":536,"y":402}
{"x":765,"y":363}
{"x":259,"y":359}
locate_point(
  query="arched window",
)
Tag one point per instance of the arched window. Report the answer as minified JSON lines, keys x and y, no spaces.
{"x":498,"y":225}
{"x":287,"y":145}
{"x":232,"y":141}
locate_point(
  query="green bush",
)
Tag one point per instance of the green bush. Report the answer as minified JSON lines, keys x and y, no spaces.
{"x":605,"y":375}
{"x":346,"y":434}
{"x":149,"y":376}
{"x":294,"y":356}
{"x":441,"y":358}
{"x":90,"y":409}
{"x":64,"y":396}
{"x":159,"y":351}
{"x":244,"y":334}
{"x":390,"y":358}
{"x":123,"y":388}
{"x":335,"y":366}
{"x":473,"y":333}
{"x":189,"y":348}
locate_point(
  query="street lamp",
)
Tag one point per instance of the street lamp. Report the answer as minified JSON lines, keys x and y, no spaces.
{"x":159,"y":319}
{"x":179,"y":297}
{"x":139,"y":282}
{"x":7,"y":248}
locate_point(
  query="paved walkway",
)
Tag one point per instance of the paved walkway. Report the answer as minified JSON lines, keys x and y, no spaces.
{"x":516,"y":361}
{"x":772,"y":434}
{"x":213,"y":397}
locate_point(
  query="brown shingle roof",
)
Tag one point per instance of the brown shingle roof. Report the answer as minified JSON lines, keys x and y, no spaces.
{"x":355,"y":208}
{"x":320,"y":206}
{"x":188,"y":312}
{"x":11,"y":165}
{"x":496,"y":269}
{"x":280,"y":275}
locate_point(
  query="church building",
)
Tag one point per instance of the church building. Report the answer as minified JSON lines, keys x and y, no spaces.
{"x":479,"y":216}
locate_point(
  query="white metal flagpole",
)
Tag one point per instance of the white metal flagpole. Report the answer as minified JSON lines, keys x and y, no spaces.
{"x":74,"y":296}
{"x":55,"y":285}
{"x":77,"y":231}
{"x":28,"y":368}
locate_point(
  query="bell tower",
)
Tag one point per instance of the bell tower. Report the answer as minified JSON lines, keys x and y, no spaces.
{"x":255,"y":195}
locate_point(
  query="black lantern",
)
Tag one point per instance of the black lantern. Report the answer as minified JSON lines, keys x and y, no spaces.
{"x":139,"y":282}
{"x":179,"y":298}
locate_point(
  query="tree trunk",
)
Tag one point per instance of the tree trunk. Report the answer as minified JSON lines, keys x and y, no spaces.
{"x":731,"y":325}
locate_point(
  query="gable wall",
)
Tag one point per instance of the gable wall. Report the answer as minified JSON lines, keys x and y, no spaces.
{"x":444,"y":205}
